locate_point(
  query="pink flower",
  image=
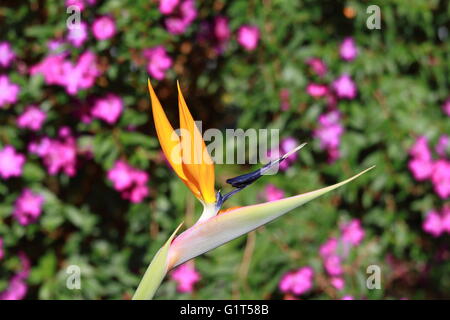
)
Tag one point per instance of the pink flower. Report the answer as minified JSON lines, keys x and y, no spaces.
{"x":32,"y":118}
{"x":131,"y":182}
{"x":58,"y":154}
{"x":28,"y":207}
{"x":6,"y":54}
{"x":166,"y":7}
{"x":329,"y":133}
{"x":318,"y":66}
{"x":329,"y":247}
{"x":338,"y":283}
{"x":345,"y":87}
{"x":81,"y":4}
{"x":333,"y":265}
{"x":420,"y":149}
{"x":433,"y":224}
{"x":446,"y":219}
{"x":8,"y":91}
{"x":442,"y":145}
{"x":446,"y":107}
{"x":347,"y":297}
{"x":348,"y":50}
{"x":104,"y":28}
{"x":272,"y":193}
{"x":316,"y":90}
{"x":441,"y":178}
{"x":182,"y":18}
{"x":221,"y":28}
{"x":11,"y":163}
{"x":78,"y":34}
{"x":186,"y":276}
{"x":108,"y":108}
{"x":297,"y":282}
{"x":2,"y":254}
{"x":56,"y":70}
{"x":286,"y":145}
{"x":352,"y":232}
{"x":248,"y":37}
{"x":158,"y":61}
{"x":17,"y":287}
{"x":421,"y":169}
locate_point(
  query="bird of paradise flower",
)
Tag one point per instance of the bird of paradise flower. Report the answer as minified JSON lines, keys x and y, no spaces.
{"x":214,"y":227}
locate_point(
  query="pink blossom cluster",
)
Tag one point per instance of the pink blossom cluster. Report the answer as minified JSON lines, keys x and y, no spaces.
{"x":344,"y":87}
{"x":32,"y":118}
{"x":446,"y":107}
{"x":297,"y":282}
{"x":59,"y":154}
{"x":286,"y":145}
{"x":248,"y":37}
{"x":424,"y":167}
{"x":158,"y":61}
{"x":17,"y":287}
{"x":335,"y":249}
{"x":329,"y":133}
{"x":217,"y":32}
{"x":7,"y":55}
{"x":272,"y":193}
{"x":104,"y":28}
{"x":81,"y":4}
{"x":186,"y":277}
{"x":436,"y":223}
{"x":108,"y":108}
{"x":179,"y":14}
{"x":9,"y":91}
{"x":73,"y":77}
{"x":348,"y":49}
{"x":131,"y":182}
{"x":11,"y":162}
{"x":28,"y":207}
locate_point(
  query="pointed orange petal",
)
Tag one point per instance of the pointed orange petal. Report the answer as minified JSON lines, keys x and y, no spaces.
{"x":197,"y":163}
{"x":169,"y":140}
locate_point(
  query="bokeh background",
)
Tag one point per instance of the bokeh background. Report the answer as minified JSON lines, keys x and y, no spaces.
{"x":83,"y":181}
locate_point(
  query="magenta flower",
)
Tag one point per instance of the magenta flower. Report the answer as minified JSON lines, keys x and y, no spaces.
{"x":420,"y":149}
{"x":32,"y":118}
{"x":28,"y":207}
{"x":441,"y":178}
{"x":17,"y":287}
{"x":108,"y":108}
{"x":421,"y":164}
{"x":248,"y":37}
{"x":433,"y":224}
{"x":338,"y":283}
{"x":316,"y":90}
{"x":104,"y":28}
{"x":58,"y":155}
{"x":166,"y":7}
{"x":186,"y":276}
{"x":131,"y":182}
{"x":297,"y":282}
{"x":158,"y":61}
{"x":348,"y":50}
{"x":442,"y":145}
{"x":56,"y":70}
{"x":221,"y":28}
{"x":272,"y":193}
{"x":8,"y":91}
{"x":286,"y":145}
{"x":78,"y":34}
{"x":317,"y":66}
{"x":11,"y":162}
{"x":344,"y":87}
{"x":329,"y":247}
{"x":2,"y":254}
{"x":182,"y":17}
{"x":329,"y":133}
{"x":6,"y":54}
{"x":347,"y":297}
{"x":333,"y":265}
{"x":446,"y":219}
{"x":352,"y":232}
{"x":446,"y":107}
